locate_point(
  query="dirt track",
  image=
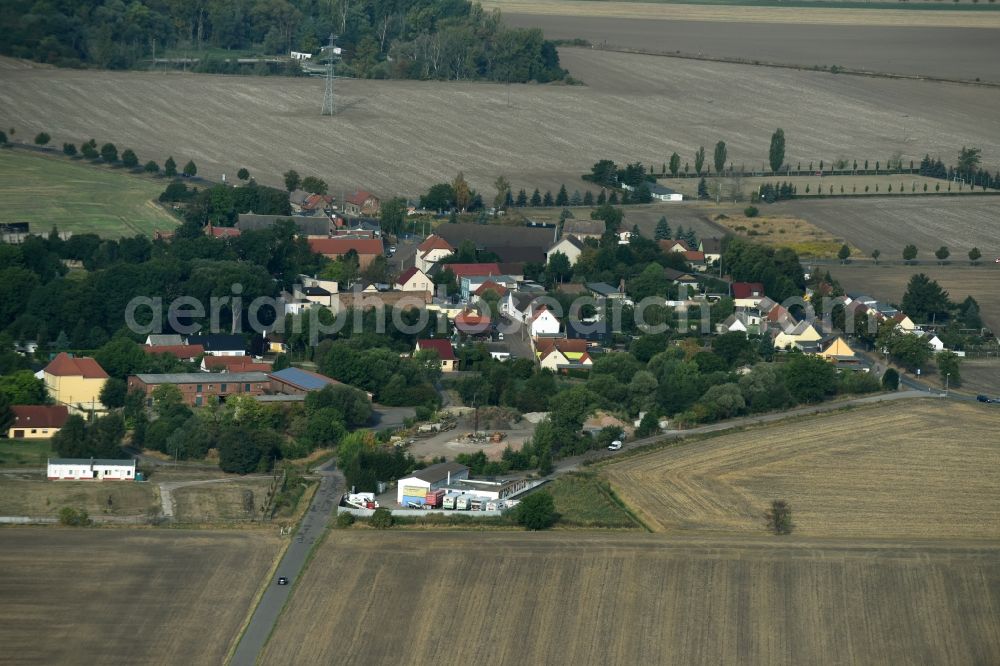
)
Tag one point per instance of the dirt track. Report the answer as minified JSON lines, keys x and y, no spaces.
{"x":574,"y":598}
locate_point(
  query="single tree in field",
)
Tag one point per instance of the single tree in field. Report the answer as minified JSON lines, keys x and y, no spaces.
{"x":292,"y":180}
{"x":876,"y":253}
{"x":42,"y":138}
{"x":974,"y":256}
{"x":502,"y":186}
{"x":909,"y":253}
{"x":949,"y":368}
{"x":662,"y":231}
{"x":942,"y":254}
{"x":537,"y":511}
{"x":675,"y":164}
{"x":69,"y":149}
{"x":190,"y":170}
{"x":779,"y":518}
{"x":151,"y":167}
{"x":776,"y":155}
{"x":243,"y":174}
{"x":109,"y":153}
{"x":130,"y":159}
{"x":844,"y":253}
{"x":968,"y":161}
{"x":699,"y":159}
{"x":720,"y":157}
{"x":170,"y":167}
{"x":562,"y":198}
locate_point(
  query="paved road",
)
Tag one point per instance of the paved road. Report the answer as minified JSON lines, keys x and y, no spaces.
{"x":323,"y":506}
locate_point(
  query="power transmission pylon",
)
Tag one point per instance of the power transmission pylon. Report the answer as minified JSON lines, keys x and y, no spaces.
{"x":332,"y":53}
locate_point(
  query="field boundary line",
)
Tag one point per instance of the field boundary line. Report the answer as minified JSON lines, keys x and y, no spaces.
{"x":828,"y":69}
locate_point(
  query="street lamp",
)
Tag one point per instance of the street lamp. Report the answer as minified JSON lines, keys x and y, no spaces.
{"x":947,"y":377}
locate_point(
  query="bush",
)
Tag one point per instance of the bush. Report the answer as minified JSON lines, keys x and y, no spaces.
{"x":751,"y":211}
{"x":890,"y":380}
{"x":779,"y":518}
{"x":345,"y":520}
{"x":74,"y":518}
{"x":537,"y":511}
{"x":381,"y":520}
{"x":42,"y":138}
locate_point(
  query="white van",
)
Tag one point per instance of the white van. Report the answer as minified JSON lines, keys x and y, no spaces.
{"x":615,"y":445}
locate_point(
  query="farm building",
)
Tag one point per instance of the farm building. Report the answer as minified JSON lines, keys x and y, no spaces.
{"x":220,"y":344}
{"x":197,"y":388}
{"x":296,"y":381}
{"x":414,"y":488}
{"x":234,"y":364}
{"x":584,"y":229}
{"x":362,"y":203}
{"x":367,"y":249}
{"x":90,"y":469}
{"x":75,"y":382}
{"x":181,"y":351}
{"x":37,"y":421}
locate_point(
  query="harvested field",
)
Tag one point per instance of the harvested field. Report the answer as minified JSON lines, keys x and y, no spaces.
{"x":218,"y":502}
{"x":32,"y":495}
{"x":980,"y":375}
{"x":742,"y":11}
{"x":890,"y":224}
{"x":806,"y":239}
{"x":75,"y":196}
{"x":127,"y":596}
{"x":764,"y":35}
{"x":894,"y":187}
{"x":399,"y":137}
{"x":927,"y":469}
{"x":889,"y":283}
{"x":570,"y":598}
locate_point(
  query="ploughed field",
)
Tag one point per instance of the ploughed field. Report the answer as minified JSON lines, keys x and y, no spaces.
{"x":926,"y":469}
{"x":958,"y":278}
{"x":115,"y":596}
{"x":572,"y":598}
{"x":399,"y":137}
{"x":962,"y":53}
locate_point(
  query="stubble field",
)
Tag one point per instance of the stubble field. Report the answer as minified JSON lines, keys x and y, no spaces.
{"x":571,"y":598}
{"x":127,"y":596}
{"x":912,"y":46}
{"x":891,"y":223}
{"x":399,"y":137}
{"x":924,"y":470}
{"x":31,"y":495}
{"x":888,"y":283}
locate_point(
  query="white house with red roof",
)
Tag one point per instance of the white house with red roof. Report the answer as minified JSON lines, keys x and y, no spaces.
{"x":444,"y":352}
{"x":559,"y":353}
{"x":747,"y":294}
{"x":413,"y":279}
{"x":543,"y":322}
{"x":432,"y":250}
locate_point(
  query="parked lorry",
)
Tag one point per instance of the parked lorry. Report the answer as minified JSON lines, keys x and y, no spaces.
{"x":463,"y":503}
{"x":449,"y":501}
{"x":434,"y":499}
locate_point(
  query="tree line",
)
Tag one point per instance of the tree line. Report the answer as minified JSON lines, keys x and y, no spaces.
{"x":424,"y":39}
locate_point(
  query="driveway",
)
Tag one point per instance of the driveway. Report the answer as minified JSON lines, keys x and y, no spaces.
{"x":322,"y":508}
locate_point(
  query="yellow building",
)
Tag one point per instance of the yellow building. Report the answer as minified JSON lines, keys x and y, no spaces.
{"x":75,"y":382}
{"x":37,"y":421}
{"x":838,"y":351}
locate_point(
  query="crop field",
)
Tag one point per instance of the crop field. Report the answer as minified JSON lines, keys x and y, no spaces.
{"x":890,"y":224}
{"x":32,"y":495}
{"x":399,"y":137}
{"x":114,"y":596}
{"x":78,"y":197}
{"x":917,"y":45}
{"x":927,"y":469}
{"x":217,"y":502}
{"x":572,"y":598}
{"x":980,"y":375}
{"x":958,"y":279}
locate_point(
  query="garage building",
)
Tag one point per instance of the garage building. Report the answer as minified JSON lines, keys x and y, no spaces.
{"x":414,"y":488}
{"x":91,"y":469}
